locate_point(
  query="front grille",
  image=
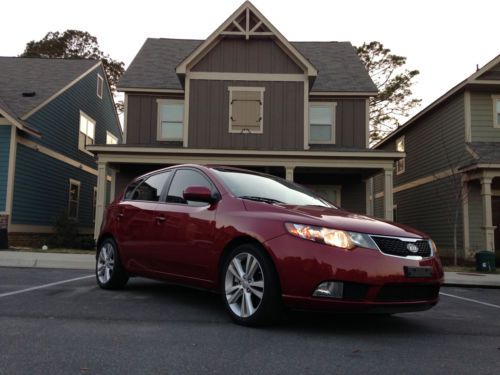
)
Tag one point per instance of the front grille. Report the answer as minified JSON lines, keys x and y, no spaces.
{"x":395,"y":246}
{"x":354,"y":291}
{"x":408,"y":292}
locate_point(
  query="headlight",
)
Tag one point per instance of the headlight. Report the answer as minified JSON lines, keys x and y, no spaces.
{"x":333,"y":237}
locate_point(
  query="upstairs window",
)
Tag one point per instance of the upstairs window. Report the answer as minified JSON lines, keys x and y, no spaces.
{"x":246,"y":109}
{"x":496,"y":111}
{"x":170,"y":120}
{"x":322,"y":122}
{"x":74,"y":199}
{"x":400,"y":147}
{"x":87,"y":132}
{"x":111,"y":139}
{"x":100,"y":85}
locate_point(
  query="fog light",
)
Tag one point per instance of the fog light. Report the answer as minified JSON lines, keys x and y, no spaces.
{"x":333,"y":289}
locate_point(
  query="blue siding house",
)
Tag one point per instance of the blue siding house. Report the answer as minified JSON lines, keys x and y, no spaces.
{"x":50,"y":111}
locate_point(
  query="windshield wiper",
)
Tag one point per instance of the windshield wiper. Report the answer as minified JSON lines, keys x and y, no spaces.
{"x":260,"y":199}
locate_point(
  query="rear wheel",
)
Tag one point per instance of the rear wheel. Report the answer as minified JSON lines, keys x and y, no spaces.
{"x":110,"y":273}
{"x":250,"y":287}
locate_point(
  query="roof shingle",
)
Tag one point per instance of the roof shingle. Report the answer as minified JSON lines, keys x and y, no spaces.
{"x":339,"y":68}
{"x":45,"y":77}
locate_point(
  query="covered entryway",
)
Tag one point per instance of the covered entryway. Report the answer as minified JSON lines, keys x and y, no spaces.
{"x":339,"y":176}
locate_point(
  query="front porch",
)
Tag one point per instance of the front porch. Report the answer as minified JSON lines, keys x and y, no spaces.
{"x":482,"y":202}
{"x":343,"y":177}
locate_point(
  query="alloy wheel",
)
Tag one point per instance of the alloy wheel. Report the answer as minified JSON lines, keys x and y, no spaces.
{"x":244,"y":285}
{"x":105,"y":263}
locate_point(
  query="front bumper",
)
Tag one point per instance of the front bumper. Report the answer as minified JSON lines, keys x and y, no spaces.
{"x":377,"y":282}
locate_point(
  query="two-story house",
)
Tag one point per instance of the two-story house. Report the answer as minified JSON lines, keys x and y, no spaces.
{"x":246,"y":96}
{"x":449,"y":180}
{"x":50,"y":110}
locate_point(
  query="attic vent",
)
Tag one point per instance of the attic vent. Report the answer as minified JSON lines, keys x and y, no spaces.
{"x":29,"y":94}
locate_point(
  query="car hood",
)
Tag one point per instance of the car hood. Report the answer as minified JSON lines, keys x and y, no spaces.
{"x":335,"y":218}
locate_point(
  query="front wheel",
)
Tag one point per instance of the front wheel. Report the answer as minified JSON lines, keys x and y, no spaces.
{"x":250,"y":286}
{"x":109,"y":270}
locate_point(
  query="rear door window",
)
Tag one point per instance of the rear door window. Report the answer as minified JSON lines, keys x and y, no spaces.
{"x":150,"y":189}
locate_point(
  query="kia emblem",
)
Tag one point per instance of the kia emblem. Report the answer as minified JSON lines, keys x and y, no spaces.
{"x":412,"y":248}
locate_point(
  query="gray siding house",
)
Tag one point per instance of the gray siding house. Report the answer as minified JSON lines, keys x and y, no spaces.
{"x":248,"y":97}
{"x":450,"y":177}
{"x":50,"y":110}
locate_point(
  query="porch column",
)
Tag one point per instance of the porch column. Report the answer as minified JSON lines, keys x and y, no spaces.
{"x":289,"y":173}
{"x":369,"y":197}
{"x":388,"y":199}
{"x":112,"y":191}
{"x":101,"y":196}
{"x":489,"y":239}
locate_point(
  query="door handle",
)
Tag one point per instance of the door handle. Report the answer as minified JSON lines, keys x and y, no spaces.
{"x":160,"y":219}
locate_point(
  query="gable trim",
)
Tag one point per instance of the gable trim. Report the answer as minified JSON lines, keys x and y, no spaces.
{"x":343,"y":93}
{"x":47,"y":101}
{"x":205,"y":47}
{"x":166,"y":91}
{"x":483,"y":70}
{"x":19,"y":124}
{"x":216,"y":76}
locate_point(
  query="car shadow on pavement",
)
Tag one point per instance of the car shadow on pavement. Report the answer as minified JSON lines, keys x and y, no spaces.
{"x":209,"y":306}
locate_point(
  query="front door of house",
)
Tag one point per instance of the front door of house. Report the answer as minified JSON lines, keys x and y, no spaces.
{"x":330,"y":192}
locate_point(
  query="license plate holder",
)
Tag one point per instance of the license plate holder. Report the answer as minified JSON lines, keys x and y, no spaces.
{"x":418,"y":272}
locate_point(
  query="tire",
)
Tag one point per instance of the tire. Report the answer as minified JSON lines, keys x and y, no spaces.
{"x":251,"y":299}
{"x":109,"y":271}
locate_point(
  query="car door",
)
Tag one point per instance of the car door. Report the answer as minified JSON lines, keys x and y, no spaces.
{"x":137,"y":221}
{"x":186,"y":237}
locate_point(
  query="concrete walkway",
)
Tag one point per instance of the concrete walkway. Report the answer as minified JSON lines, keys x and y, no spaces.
{"x":87,"y":262}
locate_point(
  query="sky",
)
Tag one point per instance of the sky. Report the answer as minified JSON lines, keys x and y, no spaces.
{"x":445,"y":40}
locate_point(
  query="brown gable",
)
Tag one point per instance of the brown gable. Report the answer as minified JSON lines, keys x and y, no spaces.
{"x":247,"y":56}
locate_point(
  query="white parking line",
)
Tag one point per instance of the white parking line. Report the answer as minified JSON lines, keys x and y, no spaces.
{"x":44,"y":286}
{"x":467,"y":299}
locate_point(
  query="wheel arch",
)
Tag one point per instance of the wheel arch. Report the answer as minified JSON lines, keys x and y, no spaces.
{"x":240,"y":240}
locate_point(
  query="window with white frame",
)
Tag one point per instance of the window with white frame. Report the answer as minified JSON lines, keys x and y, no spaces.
{"x":100,"y":85}
{"x":87,"y":131}
{"x":170,"y":120}
{"x":322,"y":122}
{"x":74,"y":199}
{"x":496,"y":111}
{"x":400,"y":147}
{"x":246,"y":109}
{"x":111,"y":139}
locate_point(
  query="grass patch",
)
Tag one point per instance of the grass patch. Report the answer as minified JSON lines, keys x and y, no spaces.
{"x":50,"y":250}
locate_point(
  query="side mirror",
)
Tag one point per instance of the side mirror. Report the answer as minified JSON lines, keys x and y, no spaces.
{"x":199,"y":194}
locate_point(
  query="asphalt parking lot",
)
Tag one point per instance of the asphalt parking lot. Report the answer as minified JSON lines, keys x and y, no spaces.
{"x":49,"y":325}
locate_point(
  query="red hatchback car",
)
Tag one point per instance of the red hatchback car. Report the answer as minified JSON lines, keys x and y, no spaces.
{"x":264,"y":243}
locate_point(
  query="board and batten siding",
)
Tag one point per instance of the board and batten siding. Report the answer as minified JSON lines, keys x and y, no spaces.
{"x":5,"y":134}
{"x":247,"y":56}
{"x":41,"y":190}
{"x":350,"y":120}
{"x":482,"y":129}
{"x":59,"y":120}
{"x":283,"y":122}
{"x":142,"y":118}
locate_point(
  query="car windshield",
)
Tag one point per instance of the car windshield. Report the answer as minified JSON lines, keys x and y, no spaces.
{"x":268,"y":189}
